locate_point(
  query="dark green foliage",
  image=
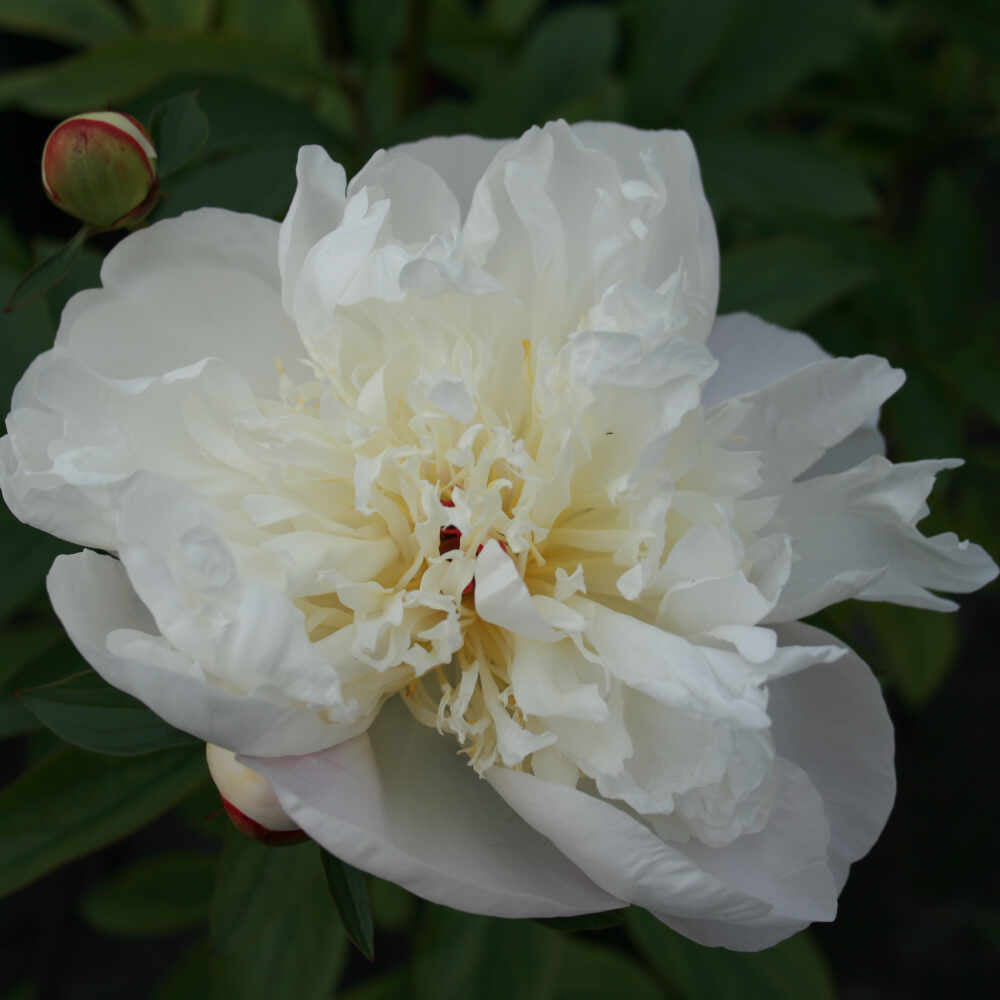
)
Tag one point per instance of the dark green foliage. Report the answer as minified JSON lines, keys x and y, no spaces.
{"x":850,"y":153}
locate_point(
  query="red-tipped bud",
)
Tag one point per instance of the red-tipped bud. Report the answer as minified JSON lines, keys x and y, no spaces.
{"x":250,"y":801}
{"x":101,"y":168}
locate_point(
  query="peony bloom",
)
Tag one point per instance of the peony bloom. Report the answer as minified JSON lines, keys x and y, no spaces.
{"x":453,"y":509}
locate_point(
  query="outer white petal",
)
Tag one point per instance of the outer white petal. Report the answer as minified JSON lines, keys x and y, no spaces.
{"x":76,"y":436}
{"x":97,"y":606}
{"x":400,"y":803}
{"x":795,"y":421}
{"x":202,"y":285}
{"x":754,"y":354}
{"x":561,"y":215}
{"x":621,"y":854}
{"x":460,"y":160}
{"x":245,"y":630}
{"x":316,"y":208}
{"x":786,"y":864}
{"x":832,"y":721}
{"x":855,"y":535}
{"x":682,"y":232}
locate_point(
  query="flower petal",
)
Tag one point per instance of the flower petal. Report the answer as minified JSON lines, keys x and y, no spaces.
{"x":661,"y":170}
{"x":459,"y":160}
{"x":399,"y":803}
{"x":785,"y":864}
{"x":754,"y":354}
{"x":855,"y":535}
{"x":202,"y":285}
{"x":832,"y":721}
{"x":620,"y":854}
{"x":98,"y":608}
{"x":317,"y":207}
{"x":503,"y":599}
{"x":562,"y":214}
{"x":793,"y":422}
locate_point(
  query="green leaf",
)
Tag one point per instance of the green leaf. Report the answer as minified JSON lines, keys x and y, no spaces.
{"x":377,"y":26}
{"x":789,"y":971}
{"x":83,"y":22}
{"x":191,"y":15}
{"x":571,"y":48}
{"x":165,"y":894}
{"x":15,"y":719}
{"x":180,"y":130}
{"x":243,"y":117}
{"x":586,"y":922}
{"x":23,"y":335}
{"x":29,"y":553}
{"x":88,"y":712}
{"x":394,"y":986}
{"x":272,"y":921}
{"x":947,"y":257}
{"x":73,"y":802}
{"x":972,"y":368}
{"x":14,"y":254}
{"x":84,"y":272}
{"x":917,"y":648}
{"x":392,"y":906}
{"x":590,"y":971}
{"x":788,"y":279}
{"x":460,"y":955}
{"x":290,"y":22}
{"x":22,"y":644}
{"x":688,"y":34}
{"x":192,"y":976}
{"x":770,"y":176}
{"x":48,"y":273}
{"x":510,"y":16}
{"x":349,"y":889}
{"x":113,"y":73}
{"x":769,"y":47}
{"x":259,"y":181}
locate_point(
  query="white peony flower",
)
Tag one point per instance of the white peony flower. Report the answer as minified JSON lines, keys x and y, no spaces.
{"x":451,"y":506}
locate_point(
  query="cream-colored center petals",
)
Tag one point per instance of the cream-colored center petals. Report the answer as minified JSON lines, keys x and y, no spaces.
{"x":466,"y":517}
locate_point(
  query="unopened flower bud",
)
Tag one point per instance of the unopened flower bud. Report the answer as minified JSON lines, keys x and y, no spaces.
{"x":101,"y":168}
{"x":249,"y":800}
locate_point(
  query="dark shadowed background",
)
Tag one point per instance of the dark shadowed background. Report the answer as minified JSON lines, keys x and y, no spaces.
{"x":850,"y":151}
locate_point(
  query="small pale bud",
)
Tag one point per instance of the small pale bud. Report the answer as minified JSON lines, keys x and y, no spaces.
{"x":249,"y":800}
{"x":101,"y":168}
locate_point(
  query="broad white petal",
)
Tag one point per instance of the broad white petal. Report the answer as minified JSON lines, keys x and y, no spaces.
{"x":666,"y":667}
{"x":680,"y":228}
{"x":76,"y":436}
{"x":793,"y":422}
{"x":855,"y":534}
{"x":832,"y":721}
{"x":245,"y":628}
{"x":563,"y":214}
{"x":622,"y":855}
{"x":754,"y":354}
{"x":460,"y":160}
{"x":316,"y":208}
{"x":202,"y":285}
{"x":96,"y":604}
{"x":399,"y":802}
{"x":786,"y":863}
